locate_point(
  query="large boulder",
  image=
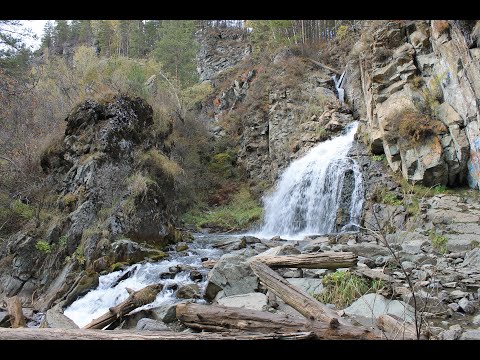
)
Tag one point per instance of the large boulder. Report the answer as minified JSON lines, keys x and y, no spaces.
{"x":54,"y":318}
{"x":232,"y":274}
{"x":369,"y":307}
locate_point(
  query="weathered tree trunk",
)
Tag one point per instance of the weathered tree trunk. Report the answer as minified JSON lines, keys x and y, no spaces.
{"x":324,"y":260}
{"x":397,"y":330}
{"x":304,"y":303}
{"x":14,"y":308}
{"x":81,"y":334}
{"x":325,"y":66}
{"x":136,"y":299}
{"x":221,"y":318}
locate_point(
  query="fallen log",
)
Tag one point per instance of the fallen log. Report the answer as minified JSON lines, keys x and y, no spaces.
{"x":82,"y":334}
{"x":304,"y":303}
{"x":325,"y":66}
{"x":135,"y":299}
{"x":221,"y":318}
{"x":396,"y":329}
{"x":14,"y":308}
{"x":323,"y":260}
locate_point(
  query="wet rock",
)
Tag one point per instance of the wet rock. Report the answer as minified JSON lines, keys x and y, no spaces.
{"x":151,"y":325}
{"x":369,"y":307}
{"x":254,"y":301}
{"x":54,"y":318}
{"x":167,"y":312}
{"x":476,"y":320}
{"x":190,"y":291}
{"x":129,"y":251}
{"x":195,"y":275}
{"x":181,"y":247}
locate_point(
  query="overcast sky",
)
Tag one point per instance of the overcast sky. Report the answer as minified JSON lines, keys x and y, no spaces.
{"x":37,"y":28}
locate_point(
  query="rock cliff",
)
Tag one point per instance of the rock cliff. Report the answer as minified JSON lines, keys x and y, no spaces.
{"x":420,"y":85}
{"x":108,"y":178}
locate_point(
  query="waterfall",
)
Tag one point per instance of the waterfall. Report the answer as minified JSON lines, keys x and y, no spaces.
{"x":339,"y":86}
{"x":309,"y":192}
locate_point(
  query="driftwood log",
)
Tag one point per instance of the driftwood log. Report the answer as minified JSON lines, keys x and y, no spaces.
{"x":135,"y":299}
{"x":323,"y":260}
{"x":325,"y":66}
{"x":304,"y":303}
{"x":396,"y":329}
{"x":14,"y":308}
{"x":221,"y":318}
{"x":81,"y":334}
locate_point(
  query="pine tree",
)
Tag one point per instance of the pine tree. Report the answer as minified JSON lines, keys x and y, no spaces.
{"x":47,"y":38}
{"x":176,"y":50}
{"x":85,"y":35}
{"x":61,"y":34}
{"x":152,"y":34}
{"x":137,"y":39}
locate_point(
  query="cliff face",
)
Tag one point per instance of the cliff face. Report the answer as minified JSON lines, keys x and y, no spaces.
{"x":420,"y":86}
{"x":106,"y":182}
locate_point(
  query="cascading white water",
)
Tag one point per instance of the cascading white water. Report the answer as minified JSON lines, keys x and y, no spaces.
{"x":308,"y":193}
{"x":339,"y":86}
{"x":111,"y":292}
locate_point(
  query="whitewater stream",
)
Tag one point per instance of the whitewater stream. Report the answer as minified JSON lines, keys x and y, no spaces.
{"x":111,"y":292}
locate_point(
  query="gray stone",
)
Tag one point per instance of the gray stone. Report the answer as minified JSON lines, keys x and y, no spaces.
{"x":470,"y":335}
{"x":472,"y":259}
{"x":232,"y":274}
{"x":454,"y":306}
{"x":54,"y":318}
{"x":476,"y":320}
{"x":414,"y":246}
{"x":166,"y":313}
{"x":292,"y":273}
{"x":408,"y":266}
{"x":458,"y":294}
{"x":365,"y":249}
{"x":311,"y":286}
{"x":254,"y":301}
{"x":467,"y":306}
{"x":450,"y":335}
{"x":425,"y":300}
{"x":151,"y":325}
{"x":369,"y":307}
{"x":4,"y":319}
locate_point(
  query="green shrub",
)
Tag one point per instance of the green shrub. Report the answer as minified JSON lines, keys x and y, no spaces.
{"x":439,"y":242}
{"x":62,"y":241}
{"x":342,"y":32}
{"x":24,"y":211}
{"x":239,"y":214}
{"x":383,"y":195}
{"x":43,"y":246}
{"x":414,"y":128}
{"x":379,"y":157}
{"x":342,"y":288}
